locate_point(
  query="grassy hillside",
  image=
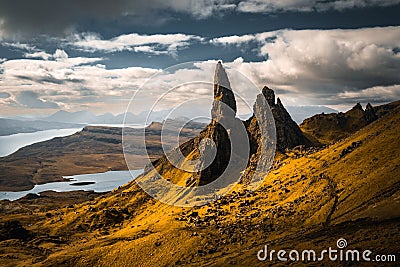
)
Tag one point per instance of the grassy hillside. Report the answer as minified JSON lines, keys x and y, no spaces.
{"x":309,"y":200}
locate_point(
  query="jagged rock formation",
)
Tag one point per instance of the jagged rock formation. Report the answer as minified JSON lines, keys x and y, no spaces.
{"x":329,"y":128}
{"x":219,"y":133}
{"x":288,"y":132}
{"x":285,"y":131}
{"x":370,"y":114}
{"x":222,"y":93}
{"x":214,"y":137}
{"x":223,"y":123}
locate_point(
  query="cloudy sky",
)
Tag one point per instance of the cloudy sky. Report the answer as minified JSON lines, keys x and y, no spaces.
{"x":77,"y":55}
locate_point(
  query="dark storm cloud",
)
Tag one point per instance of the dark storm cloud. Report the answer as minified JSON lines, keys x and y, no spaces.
{"x":49,"y":79}
{"x":262,"y":6}
{"x":31,"y":99}
{"x":19,"y":18}
{"x":46,"y":16}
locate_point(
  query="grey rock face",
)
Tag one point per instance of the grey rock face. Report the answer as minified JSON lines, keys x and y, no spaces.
{"x":288,"y":132}
{"x":223,"y":121}
{"x":222,"y":93}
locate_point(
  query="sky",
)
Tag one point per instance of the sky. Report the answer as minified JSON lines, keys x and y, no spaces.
{"x":95,"y":54}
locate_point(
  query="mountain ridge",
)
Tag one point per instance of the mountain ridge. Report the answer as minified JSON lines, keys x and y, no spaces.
{"x":328,"y":128}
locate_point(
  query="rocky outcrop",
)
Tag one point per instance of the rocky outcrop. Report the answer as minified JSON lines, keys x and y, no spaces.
{"x":288,"y":133}
{"x":370,"y":114}
{"x":282,"y":130}
{"x":217,"y":135}
{"x":13,"y":230}
{"x":329,"y":128}
{"x":224,"y":126}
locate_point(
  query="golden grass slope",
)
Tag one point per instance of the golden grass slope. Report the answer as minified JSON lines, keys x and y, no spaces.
{"x":309,"y":200}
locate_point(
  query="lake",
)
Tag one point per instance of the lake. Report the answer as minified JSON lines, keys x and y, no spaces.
{"x":11,"y":143}
{"x":98,"y":182}
{"x":135,"y":126}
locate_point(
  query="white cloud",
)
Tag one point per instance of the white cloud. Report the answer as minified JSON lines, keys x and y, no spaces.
{"x":233,"y":39}
{"x":60,"y":54}
{"x":155,"y":44}
{"x":68,"y":81}
{"x":324,"y":67}
{"x":377,"y":93}
{"x":342,"y":57}
{"x":296,"y":55}
{"x":18,"y":45}
{"x":147,"y":49}
{"x":38,"y":54}
{"x":320,"y":65}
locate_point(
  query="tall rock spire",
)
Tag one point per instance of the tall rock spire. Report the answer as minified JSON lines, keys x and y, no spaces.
{"x":223,"y":121}
{"x":220,"y":76}
{"x":222,"y":93}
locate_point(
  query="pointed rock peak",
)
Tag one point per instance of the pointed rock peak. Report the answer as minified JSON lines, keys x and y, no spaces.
{"x":369,"y":107}
{"x":222,"y":93}
{"x":220,"y":77}
{"x":278,"y":102}
{"x":269,"y":95}
{"x":370,"y":114}
{"x":358,"y":106}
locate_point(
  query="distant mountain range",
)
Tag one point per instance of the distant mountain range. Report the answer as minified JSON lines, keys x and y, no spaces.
{"x":88,"y":117}
{"x":299,"y":113}
{"x":64,"y":119}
